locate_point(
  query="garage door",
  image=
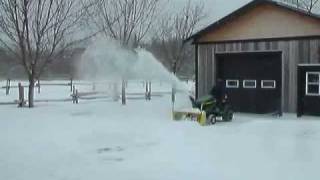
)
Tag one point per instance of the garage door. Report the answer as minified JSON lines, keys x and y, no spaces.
{"x":253,"y":81}
{"x":309,"y":90}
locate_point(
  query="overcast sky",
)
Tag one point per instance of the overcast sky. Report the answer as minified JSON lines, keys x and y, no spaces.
{"x":216,"y":8}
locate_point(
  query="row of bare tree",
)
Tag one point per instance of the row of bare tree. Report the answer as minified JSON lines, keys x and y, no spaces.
{"x":37,"y":32}
{"x":168,"y":43}
{"x":307,"y":5}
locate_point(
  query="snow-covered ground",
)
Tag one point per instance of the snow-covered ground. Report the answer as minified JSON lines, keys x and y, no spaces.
{"x":101,"y":139}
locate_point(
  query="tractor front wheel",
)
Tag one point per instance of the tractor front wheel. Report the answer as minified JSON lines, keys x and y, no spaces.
{"x":212,"y":119}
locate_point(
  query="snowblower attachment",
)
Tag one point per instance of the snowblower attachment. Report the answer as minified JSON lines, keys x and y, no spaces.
{"x":205,"y":110}
{"x":193,"y":114}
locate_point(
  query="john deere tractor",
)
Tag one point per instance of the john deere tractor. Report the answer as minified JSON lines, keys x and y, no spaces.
{"x":213,"y":109}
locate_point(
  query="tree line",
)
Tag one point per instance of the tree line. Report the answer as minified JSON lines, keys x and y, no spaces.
{"x":307,"y":5}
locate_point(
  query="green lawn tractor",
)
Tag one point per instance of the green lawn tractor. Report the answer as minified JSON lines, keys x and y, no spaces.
{"x":214,"y":110}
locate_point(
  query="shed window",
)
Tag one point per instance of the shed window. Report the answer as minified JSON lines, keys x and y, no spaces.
{"x":268,"y":84}
{"x":313,"y":84}
{"x":249,"y":84}
{"x":231,"y":83}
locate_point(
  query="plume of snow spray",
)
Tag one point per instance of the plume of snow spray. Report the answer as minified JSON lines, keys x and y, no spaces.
{"x":106,"y":59}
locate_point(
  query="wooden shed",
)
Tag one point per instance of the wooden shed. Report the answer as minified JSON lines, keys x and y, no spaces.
{"x":257,"y":50}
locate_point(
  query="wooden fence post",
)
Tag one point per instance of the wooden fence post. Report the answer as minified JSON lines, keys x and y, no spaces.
{"x":73,"y":98}
{"x":150,"y":90}
{"x":38,"y":86}
{"x":21,"y":95}
{"x":77,"y":97}
{"x":73,"y":95}
{"x":123,"y":92}
{"x":8,"y":86}
{"x":173,"y":95}
{"x":71,"y":84}
{"x":147,"y":90}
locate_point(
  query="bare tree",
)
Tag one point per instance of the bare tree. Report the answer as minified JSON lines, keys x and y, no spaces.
{"x":308,"y":5}
{"x":37,"y":32}
{"x":127,"y":21}
{"x":174,"y":29}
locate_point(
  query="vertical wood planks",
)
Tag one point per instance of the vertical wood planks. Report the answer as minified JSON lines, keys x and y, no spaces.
{"x":294,"y":52}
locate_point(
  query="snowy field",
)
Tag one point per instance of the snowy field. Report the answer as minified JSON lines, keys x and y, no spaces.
{"x":101,"y":139}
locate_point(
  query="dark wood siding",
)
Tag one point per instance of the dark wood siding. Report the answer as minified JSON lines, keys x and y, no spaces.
{"x":294,"y":52}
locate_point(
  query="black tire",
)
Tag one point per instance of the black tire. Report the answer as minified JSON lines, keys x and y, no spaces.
{"x":212,"y":119}
{"x":227,"y":115}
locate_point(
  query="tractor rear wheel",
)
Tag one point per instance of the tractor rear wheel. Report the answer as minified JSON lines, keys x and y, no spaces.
{"x":212,"y":119}
{"x":227,"y":115}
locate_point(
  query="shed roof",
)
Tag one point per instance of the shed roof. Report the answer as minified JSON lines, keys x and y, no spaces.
{"x":251,"y":5}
